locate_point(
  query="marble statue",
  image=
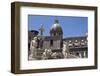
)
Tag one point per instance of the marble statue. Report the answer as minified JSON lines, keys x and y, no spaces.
{"x":65,"y":49}
{"x":33,"y":47}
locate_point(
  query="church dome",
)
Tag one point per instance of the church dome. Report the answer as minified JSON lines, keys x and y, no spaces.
{"x":56,"y":28}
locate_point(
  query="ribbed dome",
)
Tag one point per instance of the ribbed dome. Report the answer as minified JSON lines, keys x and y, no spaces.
{"x":56,"y":28}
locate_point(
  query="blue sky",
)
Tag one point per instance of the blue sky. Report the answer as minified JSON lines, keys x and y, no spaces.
{"x":71,"y":25}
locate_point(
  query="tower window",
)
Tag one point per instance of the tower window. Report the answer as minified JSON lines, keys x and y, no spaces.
{"x":54,"y":34}
{"x":51,"y":42}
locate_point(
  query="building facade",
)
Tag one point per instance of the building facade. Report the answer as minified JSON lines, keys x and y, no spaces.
{"x":78,"y":46}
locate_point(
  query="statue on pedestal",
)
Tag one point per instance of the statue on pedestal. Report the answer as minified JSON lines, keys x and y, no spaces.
{"x":33,"y":48}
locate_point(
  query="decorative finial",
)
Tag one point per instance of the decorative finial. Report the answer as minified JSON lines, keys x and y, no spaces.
{"x":56,"y":20}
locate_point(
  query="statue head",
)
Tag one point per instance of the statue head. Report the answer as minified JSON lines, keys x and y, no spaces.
{"x":35,"y":38}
